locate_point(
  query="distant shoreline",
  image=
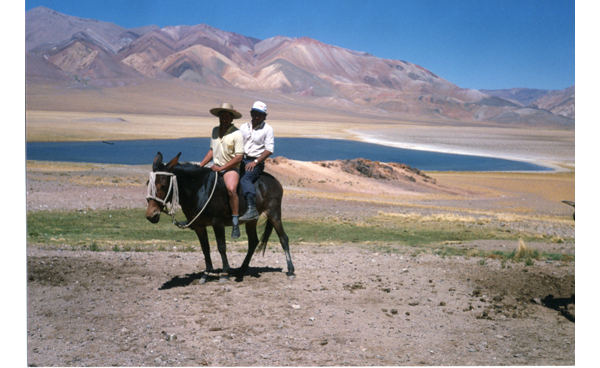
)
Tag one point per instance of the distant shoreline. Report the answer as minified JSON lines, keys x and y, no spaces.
{"x":363,"y":137}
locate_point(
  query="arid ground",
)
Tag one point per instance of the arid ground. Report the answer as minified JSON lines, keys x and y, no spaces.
{"x":350,"y":303}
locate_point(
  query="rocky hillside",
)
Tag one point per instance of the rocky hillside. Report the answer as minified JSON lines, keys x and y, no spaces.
{"x":101,"y":54}
{"x":560,"y":103}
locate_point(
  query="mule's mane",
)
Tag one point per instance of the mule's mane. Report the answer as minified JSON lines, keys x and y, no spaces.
{"x":188,"y":168}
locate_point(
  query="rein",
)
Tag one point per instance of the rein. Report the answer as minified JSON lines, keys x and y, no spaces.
{"x":175,"y":198}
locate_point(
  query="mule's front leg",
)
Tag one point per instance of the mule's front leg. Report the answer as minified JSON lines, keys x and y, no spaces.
{"x":252,"y":244}
{"x":203,"y":237}
{"x":222,"y":247}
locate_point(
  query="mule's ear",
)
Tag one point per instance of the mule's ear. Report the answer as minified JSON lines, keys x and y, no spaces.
{"x":157,"y":161}
{"x":172,"y":163}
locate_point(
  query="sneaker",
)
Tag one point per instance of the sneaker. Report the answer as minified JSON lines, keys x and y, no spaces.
{"x":235,"y":232}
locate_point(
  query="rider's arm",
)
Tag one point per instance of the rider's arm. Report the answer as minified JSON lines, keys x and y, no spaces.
{"x":264,"y":156}
{"x":207,"y":158}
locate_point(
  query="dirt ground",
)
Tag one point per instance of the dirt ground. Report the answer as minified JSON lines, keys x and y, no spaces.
{"x":349,"y":305}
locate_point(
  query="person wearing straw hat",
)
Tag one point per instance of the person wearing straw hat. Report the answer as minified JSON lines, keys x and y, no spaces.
{"x":259,"y":144}
{"x":227,"y":151}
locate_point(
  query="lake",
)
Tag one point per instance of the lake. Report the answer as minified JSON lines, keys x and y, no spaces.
{"x":141,"y":152}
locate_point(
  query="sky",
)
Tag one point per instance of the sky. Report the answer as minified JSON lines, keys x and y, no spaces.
{"x":479,"y":44}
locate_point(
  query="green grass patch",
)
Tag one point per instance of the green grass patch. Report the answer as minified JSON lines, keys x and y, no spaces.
{"x":410,"y":234}
{"x":128,"y":230}
{"x":118,"y":230}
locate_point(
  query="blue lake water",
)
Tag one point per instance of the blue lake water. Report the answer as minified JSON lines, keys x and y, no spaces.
{"x":141,"y":152}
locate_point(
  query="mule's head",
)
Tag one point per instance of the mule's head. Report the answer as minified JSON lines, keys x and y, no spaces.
{"x":162,"y":183}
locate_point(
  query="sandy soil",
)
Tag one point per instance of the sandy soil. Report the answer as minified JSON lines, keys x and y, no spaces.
{"x":348,"y":305}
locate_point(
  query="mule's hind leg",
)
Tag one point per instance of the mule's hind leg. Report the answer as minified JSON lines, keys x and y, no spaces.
{"x":203,"y":237}
{"x":222,"y":247}
{"x":252,"y":244}
{"x":283,"y":239}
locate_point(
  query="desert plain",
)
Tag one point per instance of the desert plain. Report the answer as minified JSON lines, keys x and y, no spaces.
{"x":351,"y":303}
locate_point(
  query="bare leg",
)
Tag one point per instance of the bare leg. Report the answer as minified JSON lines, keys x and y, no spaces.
{"x":232,"y":178}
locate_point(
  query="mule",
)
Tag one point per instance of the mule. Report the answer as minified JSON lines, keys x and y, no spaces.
{"x":205,"y":202}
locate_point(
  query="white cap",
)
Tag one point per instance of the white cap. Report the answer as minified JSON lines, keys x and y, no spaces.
{"x":260,"y":107}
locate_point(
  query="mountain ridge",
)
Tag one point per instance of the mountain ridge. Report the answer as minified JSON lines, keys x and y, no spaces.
{"x":104,"y":54}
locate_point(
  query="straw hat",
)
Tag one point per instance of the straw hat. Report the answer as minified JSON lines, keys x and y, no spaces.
{"x":225,"y":106}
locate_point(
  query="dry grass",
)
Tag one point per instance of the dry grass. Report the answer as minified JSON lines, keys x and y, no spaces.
{"x":168,"y":109}
{"x":524,"y":252}
{"x":439,"y":217}
{"x":53,"y":167}
{"x":556,"y":186}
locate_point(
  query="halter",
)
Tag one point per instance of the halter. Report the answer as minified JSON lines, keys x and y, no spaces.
{"x":175,"y":198}
{"x":172,"y":186}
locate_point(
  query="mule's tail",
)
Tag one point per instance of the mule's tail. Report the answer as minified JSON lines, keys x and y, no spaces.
{"x":267,"y":226}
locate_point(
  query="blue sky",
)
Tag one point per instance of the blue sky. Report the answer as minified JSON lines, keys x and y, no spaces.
{"x":480,"y":44}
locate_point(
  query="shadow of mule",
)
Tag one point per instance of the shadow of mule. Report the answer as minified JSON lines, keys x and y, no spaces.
{"x":561,"y":305}
{"x":198,"y":277}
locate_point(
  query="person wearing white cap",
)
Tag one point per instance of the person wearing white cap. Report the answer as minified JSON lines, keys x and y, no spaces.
{"x":259,"y":144}
{"x":226,"y":152}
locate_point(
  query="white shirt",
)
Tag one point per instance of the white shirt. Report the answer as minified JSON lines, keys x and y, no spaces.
{"x":256,"y":141}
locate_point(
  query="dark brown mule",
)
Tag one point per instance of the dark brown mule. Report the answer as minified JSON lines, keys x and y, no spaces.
{"x":195,"y":185}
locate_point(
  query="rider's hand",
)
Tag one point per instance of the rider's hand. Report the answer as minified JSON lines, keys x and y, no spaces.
{"x":250,"y":166}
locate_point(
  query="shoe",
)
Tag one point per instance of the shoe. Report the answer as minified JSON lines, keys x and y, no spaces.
{"x":251,"y":212}
{"x":235,"y":232}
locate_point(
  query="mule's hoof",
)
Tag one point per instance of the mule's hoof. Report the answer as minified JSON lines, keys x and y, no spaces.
{"x":223,"y":278}
{"x":291,"y":276}
{"x":201,"y":280}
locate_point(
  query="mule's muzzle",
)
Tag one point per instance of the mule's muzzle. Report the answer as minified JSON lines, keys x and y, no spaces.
{"x":153,"y":212}
{"x":153,"y":218}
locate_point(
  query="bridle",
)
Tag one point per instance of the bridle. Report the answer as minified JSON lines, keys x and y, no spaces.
{"x":151,"y":195}
{"x":172,"y":187}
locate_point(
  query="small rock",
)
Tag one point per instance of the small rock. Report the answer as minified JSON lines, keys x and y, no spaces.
{"x":296,"y":306}
{"x":169,"y":336}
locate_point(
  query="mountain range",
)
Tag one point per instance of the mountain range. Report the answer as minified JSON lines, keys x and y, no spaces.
{"x":104,"y":55}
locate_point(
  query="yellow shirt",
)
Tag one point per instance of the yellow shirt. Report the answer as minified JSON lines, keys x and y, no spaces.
{"x":226,"y":148}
